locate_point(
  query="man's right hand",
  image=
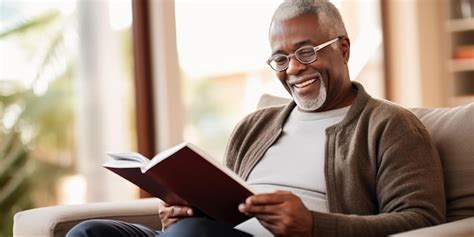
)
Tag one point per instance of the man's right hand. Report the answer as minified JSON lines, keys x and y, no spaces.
{"x":172,"y":214}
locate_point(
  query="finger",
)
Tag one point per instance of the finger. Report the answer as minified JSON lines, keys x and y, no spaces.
{"x":162,"y":213}
{"x":260,"y":209}
{"x":175,"y":211}
{"x":165,"y":204}
{"x":179,"y":211}
{"x":242,"y":209}
{"x":269,"y":219}
{"x":267,"y":198}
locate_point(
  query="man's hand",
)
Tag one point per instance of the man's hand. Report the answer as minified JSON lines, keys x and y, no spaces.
{"x":281,"y":212}
{"x":172,"y":214}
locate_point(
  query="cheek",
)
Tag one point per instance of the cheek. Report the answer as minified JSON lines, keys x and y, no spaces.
{"x":336,"y":71}
{"x":282,"y":78}
{"x":331,"y":69}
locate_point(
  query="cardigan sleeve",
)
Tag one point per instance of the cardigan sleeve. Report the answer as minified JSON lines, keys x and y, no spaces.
{"x":409,"y":191}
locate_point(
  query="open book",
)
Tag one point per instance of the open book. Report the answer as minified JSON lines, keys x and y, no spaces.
{"x":185,"y":175}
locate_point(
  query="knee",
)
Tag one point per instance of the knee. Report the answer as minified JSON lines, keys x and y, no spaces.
{"x":87,"y":228}
{"x":202,"y":227}
{"x":187,"y":227}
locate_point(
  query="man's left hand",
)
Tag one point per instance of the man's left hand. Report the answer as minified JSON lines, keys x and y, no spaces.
{"x":281,"y":212}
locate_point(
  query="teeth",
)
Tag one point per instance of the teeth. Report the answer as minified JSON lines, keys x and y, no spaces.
{"x":305,"y":83}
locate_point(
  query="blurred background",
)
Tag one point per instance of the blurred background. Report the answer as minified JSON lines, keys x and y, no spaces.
{"x":81,"y":78}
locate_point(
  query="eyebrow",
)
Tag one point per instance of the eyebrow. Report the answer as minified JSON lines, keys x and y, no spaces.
{"x":297,"y":46}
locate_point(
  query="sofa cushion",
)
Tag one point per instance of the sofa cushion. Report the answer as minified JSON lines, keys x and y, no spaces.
{"x":452,"y":130}
{"x":267,"y":100}
{"x":58,"y":220}
{"x":461,"y":228}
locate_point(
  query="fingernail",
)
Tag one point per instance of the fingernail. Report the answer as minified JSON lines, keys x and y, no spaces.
{"x":241,"y":207}
{"x":189,"y":212}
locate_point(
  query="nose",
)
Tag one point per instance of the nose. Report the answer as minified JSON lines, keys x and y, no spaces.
{"x":294,"y":66}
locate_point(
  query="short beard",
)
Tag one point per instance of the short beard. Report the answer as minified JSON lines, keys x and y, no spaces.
{"x":310,"y":105}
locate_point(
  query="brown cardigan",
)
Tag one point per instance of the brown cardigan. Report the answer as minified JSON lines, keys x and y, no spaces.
{"x":383,"y":173}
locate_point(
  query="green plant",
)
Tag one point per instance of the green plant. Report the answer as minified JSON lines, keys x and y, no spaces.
{"x":34,"y":122}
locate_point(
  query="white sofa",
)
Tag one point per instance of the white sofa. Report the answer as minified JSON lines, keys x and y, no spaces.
{"x":451,"y":128}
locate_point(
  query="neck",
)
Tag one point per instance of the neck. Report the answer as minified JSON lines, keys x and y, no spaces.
{"x":345,"y":97}
{"x":351,"y":94}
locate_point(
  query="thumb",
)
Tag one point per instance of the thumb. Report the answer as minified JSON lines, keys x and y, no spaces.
{"x":177,"y":211}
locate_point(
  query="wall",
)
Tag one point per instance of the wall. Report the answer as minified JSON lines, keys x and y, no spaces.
{"x":415,"y":52}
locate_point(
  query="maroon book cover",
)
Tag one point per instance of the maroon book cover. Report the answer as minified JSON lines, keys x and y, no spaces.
{"x":185,"y":175}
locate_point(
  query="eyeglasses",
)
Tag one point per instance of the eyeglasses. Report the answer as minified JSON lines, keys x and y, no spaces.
{"x":304,"y":55}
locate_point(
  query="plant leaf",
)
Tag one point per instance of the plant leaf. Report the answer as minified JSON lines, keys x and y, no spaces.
{"x":27,"y":25}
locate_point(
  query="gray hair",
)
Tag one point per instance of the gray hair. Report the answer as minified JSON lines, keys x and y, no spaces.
{"x":330,"y":20}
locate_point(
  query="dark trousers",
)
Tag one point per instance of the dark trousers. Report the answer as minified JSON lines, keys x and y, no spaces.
{"x":188,"y":227}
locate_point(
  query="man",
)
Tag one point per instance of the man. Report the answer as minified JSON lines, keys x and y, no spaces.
{"x":347,"y":164}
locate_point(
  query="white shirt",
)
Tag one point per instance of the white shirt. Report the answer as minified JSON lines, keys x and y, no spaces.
{"x":295,"y":163}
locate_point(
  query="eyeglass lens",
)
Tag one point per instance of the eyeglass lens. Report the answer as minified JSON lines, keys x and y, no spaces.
{"x":303,"y":55}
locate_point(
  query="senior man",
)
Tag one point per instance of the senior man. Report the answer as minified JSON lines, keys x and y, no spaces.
{"x":333,"y":162}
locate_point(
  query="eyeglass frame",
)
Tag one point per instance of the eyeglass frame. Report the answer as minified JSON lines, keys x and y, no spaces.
{"x":288,"y":57}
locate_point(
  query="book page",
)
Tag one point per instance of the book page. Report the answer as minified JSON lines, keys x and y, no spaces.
{"x":125,"y":160}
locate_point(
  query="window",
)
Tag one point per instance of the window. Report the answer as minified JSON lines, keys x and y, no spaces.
{"x":223,"y":47}
{"x":65,"y":99}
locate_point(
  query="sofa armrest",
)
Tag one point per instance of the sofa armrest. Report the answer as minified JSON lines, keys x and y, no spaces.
{"x":57,"y":220}
{"x":460,"y":228}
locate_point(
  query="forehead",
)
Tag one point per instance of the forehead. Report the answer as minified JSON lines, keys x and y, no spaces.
{"x":287,"y":35}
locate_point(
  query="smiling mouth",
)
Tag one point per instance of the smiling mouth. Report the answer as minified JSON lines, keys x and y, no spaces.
{"x":305,"y":83}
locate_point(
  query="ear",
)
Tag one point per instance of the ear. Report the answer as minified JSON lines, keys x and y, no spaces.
{"x":345,"y":46}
